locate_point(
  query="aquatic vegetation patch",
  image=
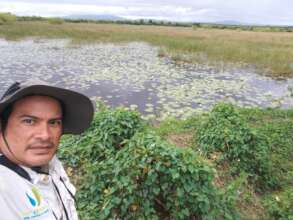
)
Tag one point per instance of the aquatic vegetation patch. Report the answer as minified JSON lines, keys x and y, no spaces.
{"x":270,"y":53}
{"x":134,"y":75}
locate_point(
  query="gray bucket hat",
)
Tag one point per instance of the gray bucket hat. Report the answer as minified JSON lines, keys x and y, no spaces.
{"x":78,"y":109}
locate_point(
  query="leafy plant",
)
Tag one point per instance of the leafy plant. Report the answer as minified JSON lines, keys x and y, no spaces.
{"x":225,"y":131}
{"x":124,"y":171}
{"x":148,"y":179}
{"x":108,"y":132}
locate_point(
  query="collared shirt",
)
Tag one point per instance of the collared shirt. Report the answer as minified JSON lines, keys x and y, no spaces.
{"x":43,"y":197}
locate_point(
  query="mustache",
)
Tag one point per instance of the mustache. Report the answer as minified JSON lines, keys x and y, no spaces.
{"x":42,"y":144}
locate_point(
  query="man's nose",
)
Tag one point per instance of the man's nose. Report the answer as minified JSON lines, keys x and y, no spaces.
{"x":44,"y":132}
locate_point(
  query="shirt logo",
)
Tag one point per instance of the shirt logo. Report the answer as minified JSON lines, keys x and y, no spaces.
{"x":34,"y":197}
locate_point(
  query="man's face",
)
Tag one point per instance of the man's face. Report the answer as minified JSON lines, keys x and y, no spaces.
{"x":33,"y":131}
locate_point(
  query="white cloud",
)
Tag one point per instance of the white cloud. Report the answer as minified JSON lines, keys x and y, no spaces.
{"x":165,"y":12}
{"x":51,"y":10}
{"x":247,"y":11}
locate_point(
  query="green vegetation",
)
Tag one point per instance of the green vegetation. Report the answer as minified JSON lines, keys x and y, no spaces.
{"x":225,"y":132}
{"x":269,"y":52}
{"x":148,"y":179}
{"x":56,"y":21}
{"x":274,"y":126}
{"x":262,"y":28}
{"x":280,"y":205}
{"x":7,"y":18}
{"x":230,"y":163}
{"x":277,"y":126}
{"x":107,"y":134}
{"x":133,"y":22}
{"x":126,"y":171}
{"x":125,"y":168}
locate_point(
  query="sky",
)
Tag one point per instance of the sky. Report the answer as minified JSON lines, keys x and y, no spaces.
{"x":273,"y":12}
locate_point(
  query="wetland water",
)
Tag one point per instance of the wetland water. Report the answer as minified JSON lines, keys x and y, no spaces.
{"x":133,"y":75}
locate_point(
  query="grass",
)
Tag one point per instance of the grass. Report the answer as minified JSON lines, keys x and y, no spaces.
{"x":270,"y":53}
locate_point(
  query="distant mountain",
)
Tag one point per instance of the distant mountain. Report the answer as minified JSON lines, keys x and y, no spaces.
{"x":95,"y":17}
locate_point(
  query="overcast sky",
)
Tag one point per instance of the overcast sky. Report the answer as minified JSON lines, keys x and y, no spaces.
{"x":275,"y":12}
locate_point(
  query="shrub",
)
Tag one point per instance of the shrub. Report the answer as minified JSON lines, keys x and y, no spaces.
{"x":225,"y":131}
{"x":148,"y":179}
{"x":108,"y":132}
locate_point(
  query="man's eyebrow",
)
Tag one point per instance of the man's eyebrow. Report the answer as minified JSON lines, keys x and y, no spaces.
{"x":28,"y":116}
{"x":57,"y":118}
{"x":35,"y":117}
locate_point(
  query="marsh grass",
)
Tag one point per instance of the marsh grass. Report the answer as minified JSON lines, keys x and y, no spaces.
{"x":269,"y":52}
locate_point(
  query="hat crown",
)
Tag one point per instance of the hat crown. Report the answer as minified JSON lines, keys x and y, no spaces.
{"x":17,"y":85}
{"x":33,"y":82}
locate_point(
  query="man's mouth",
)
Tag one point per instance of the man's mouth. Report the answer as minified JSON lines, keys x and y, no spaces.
{"x":41,"y":149}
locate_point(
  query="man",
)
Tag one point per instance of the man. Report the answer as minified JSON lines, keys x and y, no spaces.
{"x":33,"y":183}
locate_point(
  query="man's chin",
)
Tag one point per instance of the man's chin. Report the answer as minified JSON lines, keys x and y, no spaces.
{"x":39,"y":160}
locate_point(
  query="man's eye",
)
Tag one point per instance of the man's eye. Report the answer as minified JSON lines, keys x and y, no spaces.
{"x":56,"y":122}
{"x":28,"y":121}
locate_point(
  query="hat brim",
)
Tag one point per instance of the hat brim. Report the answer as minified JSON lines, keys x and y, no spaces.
{"x":78,"y":109}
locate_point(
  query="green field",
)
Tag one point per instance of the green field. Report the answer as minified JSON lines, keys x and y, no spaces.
{"x":269,"y":53}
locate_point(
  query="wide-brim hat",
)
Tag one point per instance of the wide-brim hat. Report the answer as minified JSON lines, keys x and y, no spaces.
{"x":78,"y":109}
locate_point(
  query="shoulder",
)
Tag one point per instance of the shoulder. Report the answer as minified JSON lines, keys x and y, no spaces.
{"x":12,"y":186}
{"x":57,"y":170}
{"x":9,"y":179}
{"x":56,"y":167}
